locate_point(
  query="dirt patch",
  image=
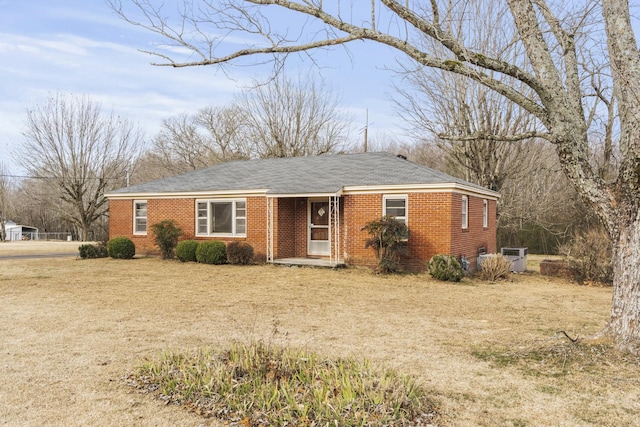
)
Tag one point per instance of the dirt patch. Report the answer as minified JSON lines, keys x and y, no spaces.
{"x":71,"y":330}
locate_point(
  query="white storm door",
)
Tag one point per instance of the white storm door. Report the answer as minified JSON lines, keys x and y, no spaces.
{"x":319,"y":243}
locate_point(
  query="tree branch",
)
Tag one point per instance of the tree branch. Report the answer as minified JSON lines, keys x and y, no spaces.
{"x":482,"y":136}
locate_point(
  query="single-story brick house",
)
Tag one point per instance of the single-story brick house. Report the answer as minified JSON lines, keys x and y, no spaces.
{"x":314,"y":208}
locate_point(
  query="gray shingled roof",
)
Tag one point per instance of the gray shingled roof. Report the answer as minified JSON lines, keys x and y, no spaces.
{"x":300,"y":175}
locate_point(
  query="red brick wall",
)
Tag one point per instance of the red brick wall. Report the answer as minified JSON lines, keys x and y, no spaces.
{"x":466,"y":242}
{"x":429,"y":224}
{"x":286,"y":228}
{"x":435,"y":226}
{"x":358,"y":210}
{"x":120,"y":218}
{"x":300,"y":225}
{"x":256,"y":227}
{"x":183,"y":212}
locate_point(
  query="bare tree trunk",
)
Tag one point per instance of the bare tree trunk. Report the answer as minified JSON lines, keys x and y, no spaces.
{"x":624,"y":325}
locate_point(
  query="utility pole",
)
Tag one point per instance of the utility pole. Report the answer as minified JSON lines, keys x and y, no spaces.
{"x":366,"y":131}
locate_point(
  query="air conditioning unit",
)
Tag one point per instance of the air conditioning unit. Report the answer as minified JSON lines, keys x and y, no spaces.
{"x":481,"y":258}
{"x":518,"y":258}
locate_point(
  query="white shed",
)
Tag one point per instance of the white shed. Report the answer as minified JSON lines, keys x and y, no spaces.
{"x":20,"y":232}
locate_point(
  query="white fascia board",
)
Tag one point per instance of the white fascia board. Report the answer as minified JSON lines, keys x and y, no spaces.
{"x":187,"y":195}
{"x":423,"y":188}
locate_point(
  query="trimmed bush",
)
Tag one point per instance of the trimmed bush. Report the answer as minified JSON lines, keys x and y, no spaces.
{"x":211,"y":252}
{"x":121,"y":248}
{"x":166,"y":234}
{"x":494,"y":267}
{"x":240,"y":253}
{"x":186,"y":250}
{"x":88,"y":250}
{"x":446,"y":268}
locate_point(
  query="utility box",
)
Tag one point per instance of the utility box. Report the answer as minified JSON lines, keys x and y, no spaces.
{"x":481,"y":258}
{"x":518,"y":258}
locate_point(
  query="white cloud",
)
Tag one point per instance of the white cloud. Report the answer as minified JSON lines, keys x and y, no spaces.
{"x":118,"y":76}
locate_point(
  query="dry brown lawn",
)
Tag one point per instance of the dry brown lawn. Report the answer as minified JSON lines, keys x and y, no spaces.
{"x":71,"y":330}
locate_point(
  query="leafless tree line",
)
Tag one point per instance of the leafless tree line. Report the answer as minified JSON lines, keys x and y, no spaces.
{"x":538,"y":208}
{"x":281,"y":118}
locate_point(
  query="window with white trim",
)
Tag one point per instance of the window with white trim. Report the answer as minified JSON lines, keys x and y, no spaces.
{"x":395,"y":206}
{"x":223,"y":217}
{"x":485,"y":213}
{"x":465,"y":212}
{"x":139,"y":217}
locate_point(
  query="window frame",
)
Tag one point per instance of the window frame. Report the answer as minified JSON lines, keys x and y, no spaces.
{"x":485,"y":213}
{"x":237,"y":221}
{"x":465,"y":212}
{"x":403,"y":197}
{"x":136,"y":231}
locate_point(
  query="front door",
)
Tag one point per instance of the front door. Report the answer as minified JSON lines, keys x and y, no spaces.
{"x":319,"y":243}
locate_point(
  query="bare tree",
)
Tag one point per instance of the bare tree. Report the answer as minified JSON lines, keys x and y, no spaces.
{"x":190,"y":142}
{"x":285,"y":118}
{"x":541,"y":204}
{"x":552,"y":38}
{"x":457,"y":120}
{"x":276,"y":119}
{"x":226,"y":132}
{"x":81,"y":152}
{"x":179,"y":147}
{"x":484,"y":133}
{"x":6,"y":205}
{"x":465,"y":117}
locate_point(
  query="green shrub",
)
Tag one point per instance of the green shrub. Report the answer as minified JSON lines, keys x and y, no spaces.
{"x":211,"y":252}
{"x":445,"y":267}
{"x":494,"y":267}
{"x":589,"y":257}
{"x":166,"y":234}
{"x":387,"y":238}
{"x":186,"y":250}
{"x":240,"y":253}
{"x":86,"y":251}
{"x":121,"y":248}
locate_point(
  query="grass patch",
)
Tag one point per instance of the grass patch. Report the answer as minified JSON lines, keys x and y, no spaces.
{"x":261,"y":384}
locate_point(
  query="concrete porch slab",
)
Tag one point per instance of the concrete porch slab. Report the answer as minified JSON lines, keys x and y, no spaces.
{"x":310,"y":262}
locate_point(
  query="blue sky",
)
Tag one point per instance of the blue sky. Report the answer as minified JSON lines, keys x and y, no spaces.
{"x":82,"y":47}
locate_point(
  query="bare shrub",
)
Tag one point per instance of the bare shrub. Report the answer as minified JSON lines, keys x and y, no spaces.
{"x":589,"y":257}
{"x":495,"y":267}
